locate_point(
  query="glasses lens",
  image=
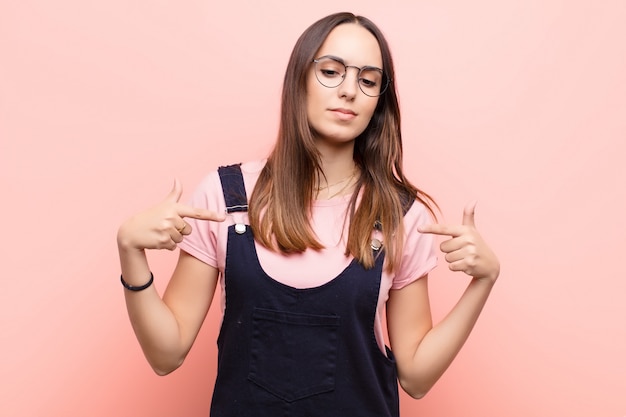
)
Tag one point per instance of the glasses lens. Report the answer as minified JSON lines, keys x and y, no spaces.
{"x":372,"y":81}
{"x":329,"y":72}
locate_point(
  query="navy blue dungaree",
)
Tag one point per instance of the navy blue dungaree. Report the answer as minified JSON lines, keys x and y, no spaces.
{"x":297,"y":352}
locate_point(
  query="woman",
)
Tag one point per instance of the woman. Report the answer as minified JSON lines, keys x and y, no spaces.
{"x":334,"y":234}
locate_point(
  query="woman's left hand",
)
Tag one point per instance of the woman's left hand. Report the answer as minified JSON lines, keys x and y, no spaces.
{"x":466,"y":250}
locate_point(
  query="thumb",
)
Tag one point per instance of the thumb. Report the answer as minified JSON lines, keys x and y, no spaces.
{"x":177,"y":191}
{"x":468,"y":214}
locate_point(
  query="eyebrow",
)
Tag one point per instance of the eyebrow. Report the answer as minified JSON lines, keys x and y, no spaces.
{"x":336,"y":58}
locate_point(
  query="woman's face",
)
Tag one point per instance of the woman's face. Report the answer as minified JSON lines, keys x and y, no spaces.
{"x":340,"y":114}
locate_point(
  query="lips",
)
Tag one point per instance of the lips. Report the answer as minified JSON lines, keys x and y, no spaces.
{"x":343,"y":114}
{"x":344,"y":111}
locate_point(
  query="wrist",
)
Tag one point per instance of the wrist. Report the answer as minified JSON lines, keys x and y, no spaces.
{"x":125,"y":244}
{"x":489,"y":279}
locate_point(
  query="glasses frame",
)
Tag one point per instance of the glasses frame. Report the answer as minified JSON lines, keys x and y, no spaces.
{"x":384,"y":82}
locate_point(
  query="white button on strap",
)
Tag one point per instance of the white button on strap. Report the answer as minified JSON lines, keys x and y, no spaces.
{"x":240,"y":228}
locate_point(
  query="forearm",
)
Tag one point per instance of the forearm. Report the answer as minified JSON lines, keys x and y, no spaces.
{"x":442,"y":343}
{"x":152,"y":320}
{"x":167,"y":326}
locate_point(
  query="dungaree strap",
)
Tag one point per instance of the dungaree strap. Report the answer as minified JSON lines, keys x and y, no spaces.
{"x":234,"y":188}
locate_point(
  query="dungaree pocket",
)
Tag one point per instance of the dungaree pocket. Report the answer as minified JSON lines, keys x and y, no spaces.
{"x":293,"y":355}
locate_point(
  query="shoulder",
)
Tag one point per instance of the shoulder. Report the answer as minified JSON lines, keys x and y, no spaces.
{"x":253,"y":167}
{"x":416,"y":243}
{"x":209,"y":192}
{"x":419,"y":255}
{"x":250,"y":172}
{"x":417,"y":214}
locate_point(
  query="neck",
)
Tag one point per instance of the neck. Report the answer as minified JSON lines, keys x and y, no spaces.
{"x":337,"y":163}
{"x":338,"y":174}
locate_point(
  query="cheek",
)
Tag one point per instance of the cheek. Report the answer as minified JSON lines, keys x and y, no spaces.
{"x":311,"y":107}
{"x":315,"y":101}
{"x":370,"y":109}
{"x":312,"y":90}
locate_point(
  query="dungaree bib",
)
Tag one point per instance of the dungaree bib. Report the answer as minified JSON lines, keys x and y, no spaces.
{"x":287,"y":352}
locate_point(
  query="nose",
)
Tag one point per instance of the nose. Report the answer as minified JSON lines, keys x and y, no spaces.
{"x":349,"y":87}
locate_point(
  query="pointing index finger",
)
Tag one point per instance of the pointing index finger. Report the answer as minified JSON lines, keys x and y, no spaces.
{"x":441,"y":229}
{"x":200,"y":214}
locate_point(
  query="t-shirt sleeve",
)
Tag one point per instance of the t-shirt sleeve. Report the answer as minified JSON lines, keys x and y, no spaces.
{"x":419,"y":255}
{"x":202,"y":242}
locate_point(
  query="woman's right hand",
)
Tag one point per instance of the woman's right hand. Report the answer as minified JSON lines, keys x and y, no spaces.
{"x":162,"y":226}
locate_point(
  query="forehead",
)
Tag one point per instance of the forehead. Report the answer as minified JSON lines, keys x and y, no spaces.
{"x":354,"y":44}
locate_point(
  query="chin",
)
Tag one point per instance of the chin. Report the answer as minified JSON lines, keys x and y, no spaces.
{"x":338,"y":139}
{"x":339,"y":136}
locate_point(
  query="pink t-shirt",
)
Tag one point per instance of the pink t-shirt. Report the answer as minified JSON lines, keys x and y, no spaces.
{"x":207,"y":242}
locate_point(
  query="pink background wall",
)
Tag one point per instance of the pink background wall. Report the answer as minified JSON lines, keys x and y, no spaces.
{"x":520,"y":104}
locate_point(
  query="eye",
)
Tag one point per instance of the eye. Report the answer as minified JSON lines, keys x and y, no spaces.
{"x":328,"y":68}
{"x":371,"y":77}
{"x":368,"y":83}
{"x":329,"y":72}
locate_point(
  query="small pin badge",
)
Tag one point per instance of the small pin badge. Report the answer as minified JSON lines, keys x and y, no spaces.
{"x":376,"y":244}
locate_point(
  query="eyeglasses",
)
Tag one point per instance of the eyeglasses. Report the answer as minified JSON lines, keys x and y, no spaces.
{"x":330,"y":71}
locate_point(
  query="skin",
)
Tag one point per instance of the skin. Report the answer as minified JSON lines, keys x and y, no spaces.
{"x":166,"y":328}
{"x":327,"y":107}
{"x":357,"y":47}
{"x":424,"y":352}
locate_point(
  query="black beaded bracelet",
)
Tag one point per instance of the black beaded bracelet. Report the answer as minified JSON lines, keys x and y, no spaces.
{"x":141,"y":287}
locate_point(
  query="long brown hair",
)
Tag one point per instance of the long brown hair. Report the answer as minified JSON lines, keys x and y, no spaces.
{"x":280,"y":204}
